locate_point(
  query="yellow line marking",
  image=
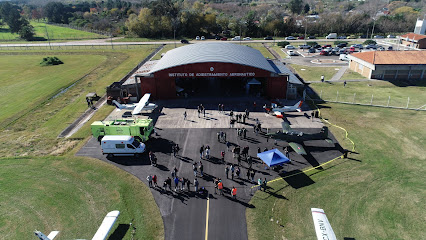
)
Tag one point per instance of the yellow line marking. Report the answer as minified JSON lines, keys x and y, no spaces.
{"x":207,"y":220}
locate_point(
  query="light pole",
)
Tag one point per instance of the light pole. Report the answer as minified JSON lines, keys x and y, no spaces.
{"x":306,"y":28}
{"x":372,"y":30}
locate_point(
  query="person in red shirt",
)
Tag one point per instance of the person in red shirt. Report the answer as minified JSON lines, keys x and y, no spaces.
{"x":234,"y":193}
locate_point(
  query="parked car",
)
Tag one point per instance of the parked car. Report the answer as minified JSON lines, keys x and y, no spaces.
{"x":371,"y":46}
{"x":390,"y":48}
{"x":290,"y":38}
{"x":224,"y":39}
{"x":304,"y":46}
{"x":217,"y":37}
{"x":359,"y":46}
{"x":352,"y":36}
{"x":311,"y":37}
{"x":326,"y":46}
{"x":378,"y":36}
{"x":184,"y":41}
{"x":247,"y":39}
{"x":290,"y":47}
{"x":301,"y":37}
{"x":197,"y":38}
{"x":203,"y":38}
{"x":325,"y":53}
{"x":351,"y":49}
{"x":311,"y":50}
{"x":268,"y":38}
{"x":381,"y":48}
{"x":340,"y":45}
{"x":317,"y":46}
{"x":342,"y":51}
{"x":391,"y":36}
{"x":363,"y":36}
{"x":341,"y":37}
{"x":291,"y":53}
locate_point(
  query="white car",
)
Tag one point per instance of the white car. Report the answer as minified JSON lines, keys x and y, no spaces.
{"x":247,"y":38}
{"x":343,"y":57}
{"x":290,"y":38}
{"x":197,"y":38}
{"x":203,"y":38}
{"x":291,"y":53}
{"x":290,"y":47}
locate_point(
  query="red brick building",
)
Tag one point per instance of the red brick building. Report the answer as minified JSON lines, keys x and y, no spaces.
{"x":214,"y":67}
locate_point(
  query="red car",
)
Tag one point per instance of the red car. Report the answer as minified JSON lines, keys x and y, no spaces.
{"x":224,"y":39}
{"x":326,"y":46}
{"x":325,"y":53}
{"x":301,"y":37}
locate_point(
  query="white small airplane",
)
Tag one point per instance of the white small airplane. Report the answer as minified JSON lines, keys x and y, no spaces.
{"x":101,"y":234}
{"x":322,"y":225}
{"x":142,"y":105}
{"x":278,"y":111}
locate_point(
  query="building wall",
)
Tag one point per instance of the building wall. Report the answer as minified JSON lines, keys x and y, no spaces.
{"x":421,"y":43}
{"x":162,"y":83}
{"x":359,"y":68}
{"x":399,"y":72}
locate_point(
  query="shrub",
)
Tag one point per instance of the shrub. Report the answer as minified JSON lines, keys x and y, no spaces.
{"x":283,"y":44}
{"x":49,"y":61}
{"x":312,"y":43}
{"x":369,"y":41}
{"x":338,"y":42}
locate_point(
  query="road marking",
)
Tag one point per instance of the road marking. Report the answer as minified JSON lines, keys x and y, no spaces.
{"x":207,"y":220}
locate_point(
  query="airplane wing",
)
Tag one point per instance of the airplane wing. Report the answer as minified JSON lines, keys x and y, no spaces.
{"x":41,"y":236}
{"x":298,"y":148}
{"x":285,"y":126}
{"x":142,"y":103}
{"x":322,"y":225}
{"x":106,"y":225}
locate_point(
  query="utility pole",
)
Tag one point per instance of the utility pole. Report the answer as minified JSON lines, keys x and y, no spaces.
{"x":47,"y":34}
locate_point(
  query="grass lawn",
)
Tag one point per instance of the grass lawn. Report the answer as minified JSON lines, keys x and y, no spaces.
{"x":44,"y":185}
{"x":314,"y":73}
{"x":55,"y":33}
{"x":20,"y":75}
{"x":165,"y":49}
{"x":381,"y":90}
{"x":279,"y":51}
{"x":135,"y":39}
{"x":376,"y":194}
{"x":73,"y":195}
{"x":349,"y":75}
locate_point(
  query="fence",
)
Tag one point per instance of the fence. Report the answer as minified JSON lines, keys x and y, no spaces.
{"x":364,"y":99}
{"x":54,"y":46}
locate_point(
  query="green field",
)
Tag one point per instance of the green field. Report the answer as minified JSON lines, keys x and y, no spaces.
{"x":314,"y":73}
{"x":55,"y":33}
{"x":350,"y":75}
{"x":45,"y":187}
{"x":165,"y":49}
{"x":279,"y":51}
{"x":378,"y":193}
{"x":380,"y":90}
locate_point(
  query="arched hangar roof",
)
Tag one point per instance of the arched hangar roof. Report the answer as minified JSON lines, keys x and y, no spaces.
{"x":213,"y":52}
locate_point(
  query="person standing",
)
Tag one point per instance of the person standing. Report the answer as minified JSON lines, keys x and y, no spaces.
{"x":222,"y":107}
{"x":88,"y":101}
{"x":201,"y":167}
{"x":176,"y":183}
{"x":216,"y":181}
{"x":220,"y":187}
{"x":232,"y":171}
{"x":196,"y":185}
{"x":201,"y":151}
{"x":322,"y":78}
{"x":173,"y":151}
{"x":244,"y":118}
{"x":264,"y":184}
{"x":218,"y":107}
{"x":149,"y":178}
{"x":344,"y":83}
{"x":169,"y":183}
{"x":194,"y":168}
{"x":227,"y":171}
{"x":252,"y":175}
{"x":184,"y":115}
{"x":248,"y":174}
{"x":234,"y":193}
{"x":259,"y":183}
{"x":208,"y":152}
{"x":154,"y":179}
{"x":199,"y":111}
{"x":237,"y":172}
{"x":228,"y":145}
{"x":222,"y":154}
{"x":188,"y":183}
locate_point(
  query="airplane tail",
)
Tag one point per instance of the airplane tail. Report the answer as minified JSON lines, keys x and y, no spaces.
{"x":117,"y":104}
{"x":298,"y":104}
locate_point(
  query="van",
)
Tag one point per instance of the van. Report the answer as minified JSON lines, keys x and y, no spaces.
{"x":121,"y":145}
{"x":343,"y":57}
{"x":331,"y":36}
{"x":236,"y":38}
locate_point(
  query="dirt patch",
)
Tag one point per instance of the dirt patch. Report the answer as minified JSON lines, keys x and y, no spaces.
{"x":64,"y":146}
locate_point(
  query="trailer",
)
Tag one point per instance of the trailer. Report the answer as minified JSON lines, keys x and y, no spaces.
{"x":140,"y":129}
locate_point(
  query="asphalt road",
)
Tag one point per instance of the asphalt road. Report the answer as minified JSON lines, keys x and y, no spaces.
{"x":184,"y":213}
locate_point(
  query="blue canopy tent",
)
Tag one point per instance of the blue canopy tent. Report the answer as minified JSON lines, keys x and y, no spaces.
{"x":273,"y":157}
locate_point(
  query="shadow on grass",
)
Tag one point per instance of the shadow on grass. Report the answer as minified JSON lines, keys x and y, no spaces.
{"x":297,"y":179}
{"x":119,"y":232}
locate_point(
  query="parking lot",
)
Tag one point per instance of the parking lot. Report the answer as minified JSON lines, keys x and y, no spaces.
{"x":184,"y":213}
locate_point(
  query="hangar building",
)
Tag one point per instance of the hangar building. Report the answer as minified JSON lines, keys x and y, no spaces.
{"x":214,"y":69}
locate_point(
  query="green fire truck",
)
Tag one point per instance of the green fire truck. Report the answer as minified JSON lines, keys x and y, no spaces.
{"x":141,"y":129}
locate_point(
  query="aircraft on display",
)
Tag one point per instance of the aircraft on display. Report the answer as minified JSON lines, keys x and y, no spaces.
{"x":278,"y":111}
{"x":322,"y":225}
{"x":101,"y":234}
{"x":142,"y":105}
{"x":296,"y":138}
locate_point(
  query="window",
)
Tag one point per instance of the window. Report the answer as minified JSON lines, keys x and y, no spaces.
{"x":120,"y":145}
{"x":130,"y":146}
{"x":141,"y":129}
{"x":136,"y":143}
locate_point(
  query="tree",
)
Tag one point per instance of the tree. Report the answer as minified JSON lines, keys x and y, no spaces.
{"x":307,"y":8}
{"x":10,"y":15}
{"x":369,"y":41}
{"x":56,"y":12}
{"x":295,"y":6}
{"x":26,"y":32}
